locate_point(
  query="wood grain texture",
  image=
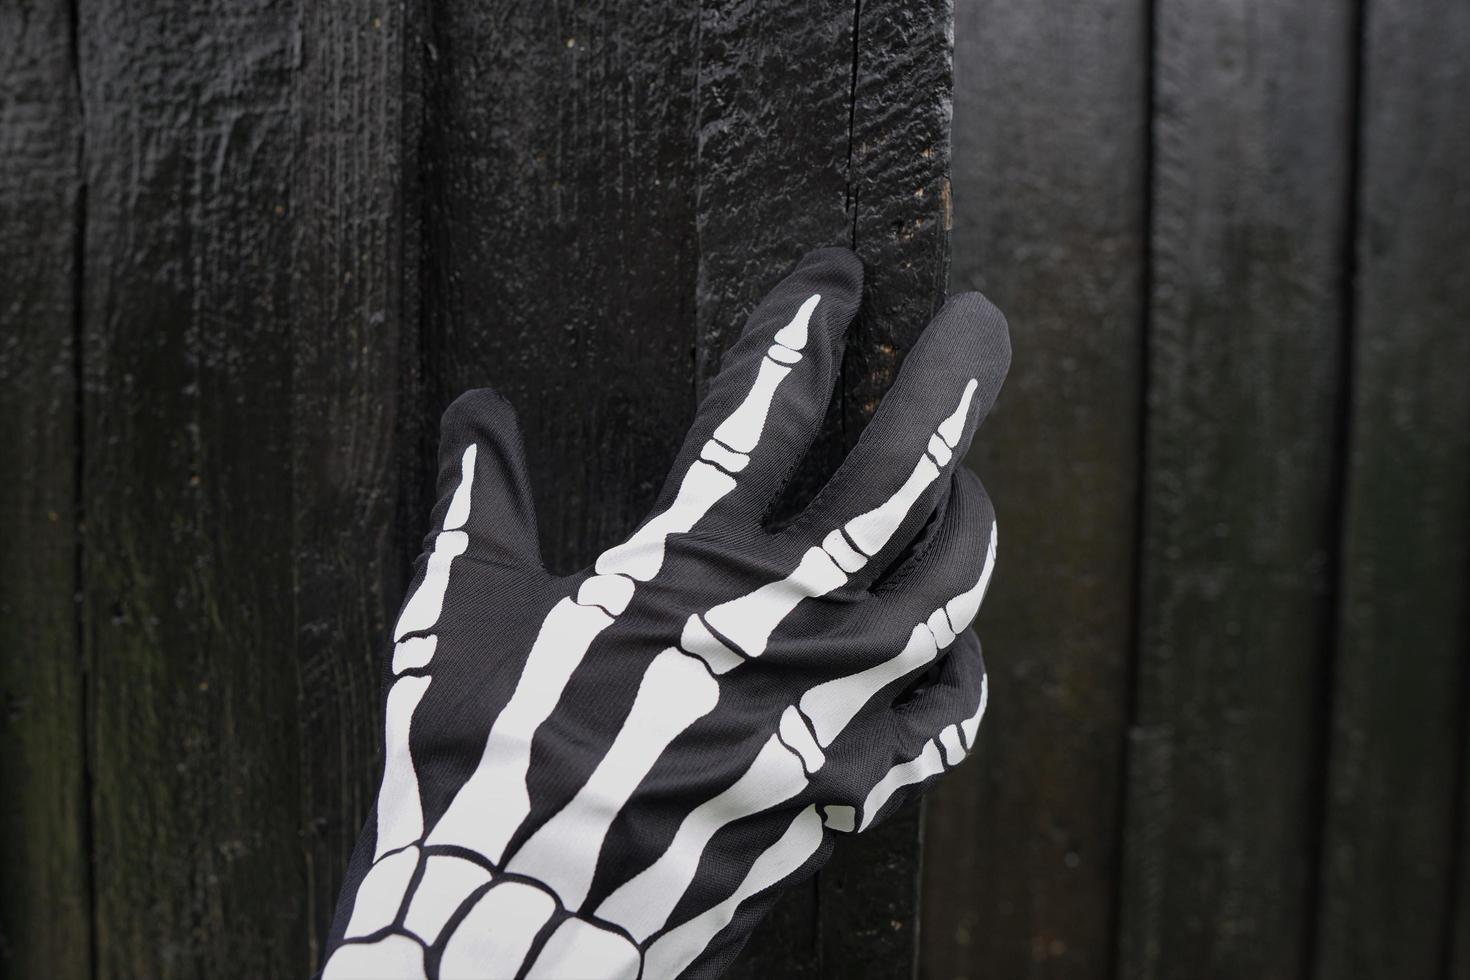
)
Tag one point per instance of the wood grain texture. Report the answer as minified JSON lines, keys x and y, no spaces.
{"x":772,"y":182}
{"x":187,"y":488}
{"x":1458,"y":951}
{"x":1251,"y":143}
{"x":45,"y":914}
{"x":355,"y":414}
{"x":899,"y":193}
{"x":592,"y":262}
{"x":1020,"y":845}
{"x":1401,"y":677}
{"x":560,"y":245}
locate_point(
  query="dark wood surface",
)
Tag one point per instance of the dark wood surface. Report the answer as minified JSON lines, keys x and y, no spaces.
{"x":1396,"y":804}
{"x":45,"y":903}
{"x":593,"y":263}
{"x":308,"y":229}
{"x":187,"y":488}
{"x":1050,"y":223}
{"x":1249,"y":211}
{"x":1291,"y":710}
{"x":248,"y":252}
{"x":356,"y":415}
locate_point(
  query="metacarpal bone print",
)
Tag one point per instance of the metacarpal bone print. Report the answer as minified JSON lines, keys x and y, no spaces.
{"x":610,"y":774}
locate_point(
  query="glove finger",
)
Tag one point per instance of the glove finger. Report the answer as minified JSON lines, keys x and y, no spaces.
{"x":893,"y":480}
{"x":931,"y":728}
{"x":484,"y":486}
{"x":948,"y":570}
{"x":897,"y":639}
{"x":767,"y":403}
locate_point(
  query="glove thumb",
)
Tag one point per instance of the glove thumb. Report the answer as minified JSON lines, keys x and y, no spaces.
{"x":484,"y":487}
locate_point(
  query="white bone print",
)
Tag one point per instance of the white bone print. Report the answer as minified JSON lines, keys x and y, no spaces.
{"x":784,"y":766}
{"x":400,"y":813}
{"x":749,"y":620}
{"x":563,"y":852}
{"x":494,"y":802}
{"x":676,"y":690}
{"x":672,"y":952}
{"x":939,"y":753}
{"x":570,"y":808}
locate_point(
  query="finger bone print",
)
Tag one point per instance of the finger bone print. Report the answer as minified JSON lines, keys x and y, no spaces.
{"x":457,"y":881}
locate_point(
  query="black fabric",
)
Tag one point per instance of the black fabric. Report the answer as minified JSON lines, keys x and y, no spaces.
{"x":499,"y":599}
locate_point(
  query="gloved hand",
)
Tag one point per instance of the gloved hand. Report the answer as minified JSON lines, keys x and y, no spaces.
{"x":611,"y":774}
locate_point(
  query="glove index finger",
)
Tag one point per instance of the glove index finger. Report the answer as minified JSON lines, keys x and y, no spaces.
{"x":767,"y":403}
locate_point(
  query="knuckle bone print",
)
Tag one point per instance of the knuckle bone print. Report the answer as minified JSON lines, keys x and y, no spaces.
{"x":611,"y":774}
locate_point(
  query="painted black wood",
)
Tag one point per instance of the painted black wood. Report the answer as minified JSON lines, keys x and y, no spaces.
{"x":187,"y":488}
{"x":235,"y":299}
{"x":45,"y":914}
{"x":1249,"y":217}
{"x":1394,"y":822}
{"x":356,"y":413}
{"x":900,"y":198}
{"x":593,"y":261}
{"x":1050,"y":148}
{"x":747,"y":239}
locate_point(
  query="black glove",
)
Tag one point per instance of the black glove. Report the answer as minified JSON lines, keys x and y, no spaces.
{"x":611,"y":774}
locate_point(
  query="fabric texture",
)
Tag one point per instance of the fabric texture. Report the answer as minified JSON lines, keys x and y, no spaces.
{"x":612,"y":774}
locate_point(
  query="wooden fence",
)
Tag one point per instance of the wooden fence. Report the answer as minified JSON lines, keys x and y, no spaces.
{"x":249,"y":250}
{"x":1229,"y":637}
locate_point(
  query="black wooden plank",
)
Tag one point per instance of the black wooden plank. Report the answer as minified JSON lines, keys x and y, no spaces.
{"x":1251,"y":155}
{"x":1388,"y":875}
{"x":675,"y":172}
{"x":772,"y":182}
{"x":899,"y":195}
{"x":778,"y":175}
{"x":187,"y":488}
{"x":560,"y":244}
{"x":1020,"y":846}
{"x":1457,"y":951}
{"x":355,"y":416}
{"x":45,"y":915}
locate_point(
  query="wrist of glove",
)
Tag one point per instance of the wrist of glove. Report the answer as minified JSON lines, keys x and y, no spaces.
{"x":612,"y":774}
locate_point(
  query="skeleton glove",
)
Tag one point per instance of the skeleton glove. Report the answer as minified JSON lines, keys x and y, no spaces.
{"x":611,"y":774}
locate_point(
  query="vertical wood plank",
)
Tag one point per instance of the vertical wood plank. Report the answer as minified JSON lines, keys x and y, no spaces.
{"x":629,"y":230}
{"x":1458,"y":949}
{"x":772,"y":183}
{"x":187,"y":488}
{"x":1397,"y":755}
{"x":899,"y":194}
{"x":1020,"y":845}
{"x":1251,"y":156}
{"x":355,"y":415}
{"x":560,"y":247}
{"x":853,"y":151}
{"x":45,"y":914}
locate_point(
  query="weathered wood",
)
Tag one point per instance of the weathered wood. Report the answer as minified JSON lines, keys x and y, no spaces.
{"x":606,"y":193}
{"x":560,"y":247}
{"x":1249,"y":211}
{"x":187,"y":488}
{"x":45,"y":915}
{"x":1020,"y":845}
{"x":899,"y":194}
{"x":1397,"y":754}
{"x":355,"y":414}
{"x":1458,"y":948}
{"x":696,"y":153}
{"x":772,"y":182}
